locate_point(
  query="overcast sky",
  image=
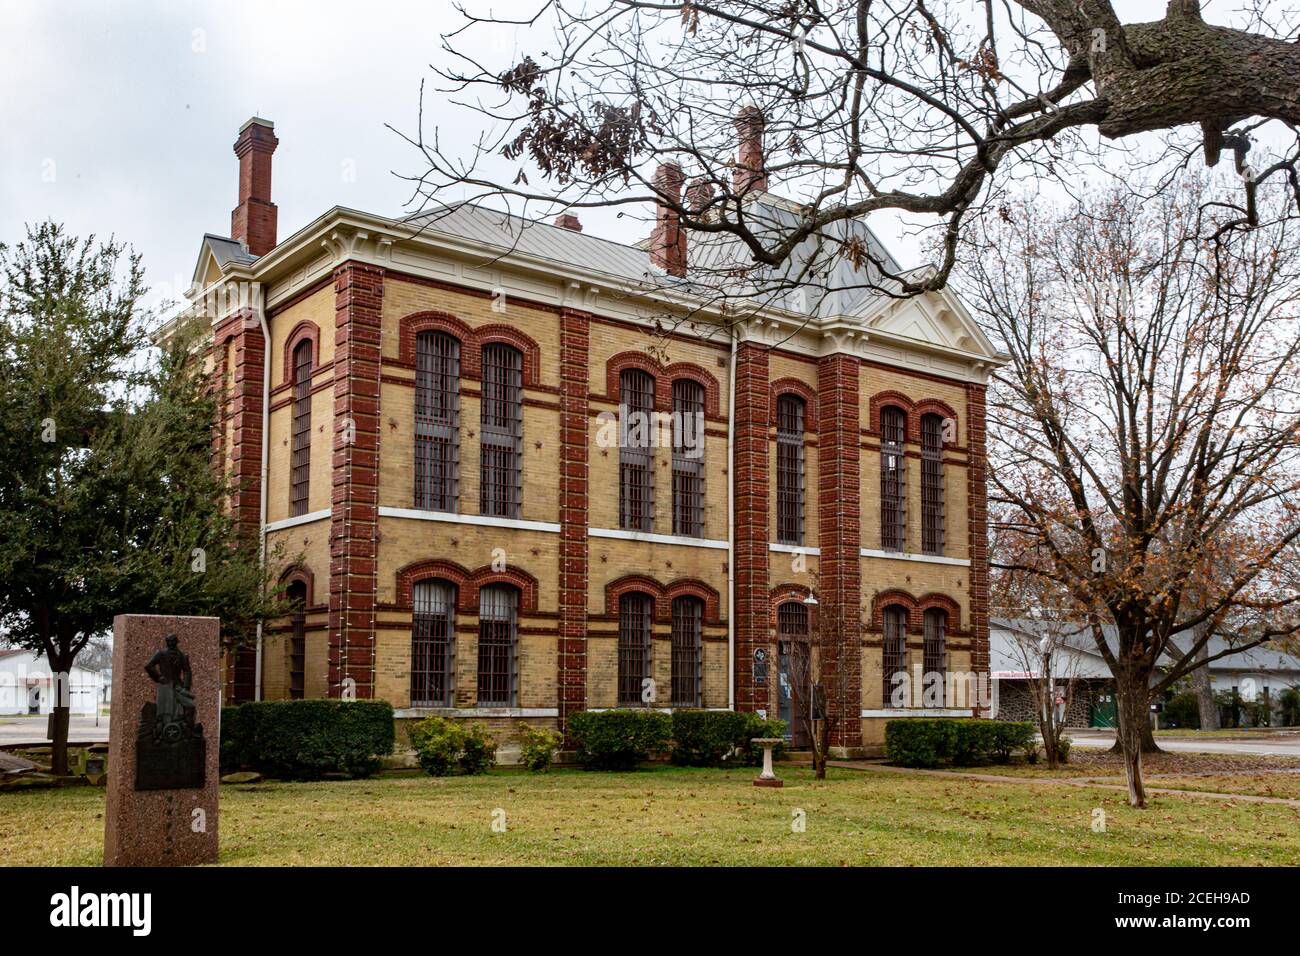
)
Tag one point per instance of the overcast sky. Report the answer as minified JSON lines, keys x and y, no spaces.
{"x":120,"y":116}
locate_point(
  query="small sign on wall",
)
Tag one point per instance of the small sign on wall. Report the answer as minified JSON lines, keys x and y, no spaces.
{"x":760,"y":665}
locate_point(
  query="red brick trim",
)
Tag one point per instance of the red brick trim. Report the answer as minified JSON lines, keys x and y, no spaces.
{"x":468,"y":583}
{"x":752,"y":521}
{"x":889,"y":598}
{"x":793,"y":386}
{"x":664,"y":376}
{"x":883,"y":399}
{"x":927,"y":406}
{"x":574,"y":550}
{"x":306,"y":329}
{"x":471,"y":341}
{"x":663,"y":596}
{"x":943,"y":603}
{"x":784,"y":594}
{"x":300,"y":572}
{"x":977,"y":522}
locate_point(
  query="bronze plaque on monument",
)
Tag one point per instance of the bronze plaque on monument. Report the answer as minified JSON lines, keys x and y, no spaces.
{"x":161,"y":807}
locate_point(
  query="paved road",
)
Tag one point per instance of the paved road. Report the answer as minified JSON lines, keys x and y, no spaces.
{"x":31,"y":730}
{"x":1283,"y":746}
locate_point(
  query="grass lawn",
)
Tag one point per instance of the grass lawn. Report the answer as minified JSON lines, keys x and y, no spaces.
{"x":665,"y":815}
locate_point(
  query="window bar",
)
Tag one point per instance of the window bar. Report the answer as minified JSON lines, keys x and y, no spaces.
{"x":935,"y":625}
{"x":893,"y":480}
{"x":894,"y":651}
{"x":932,"y":503}
{"x":688,"y":621}
{"x":498,"y":635}
{"x":688,"y":458}
{"x":635,"y":613}
{"x":636,"y":451}
{"x":789,"y":470}
{"x":300,"y":464}
{"x":437,"y":420}
{"x":433,"y":644}
{"x":501,"y":431}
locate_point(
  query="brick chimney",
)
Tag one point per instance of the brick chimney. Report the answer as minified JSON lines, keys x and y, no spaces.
{"x":750,"y":172}
{"x":668,"y":241}
{"x":253,"y":221}
{"x":568,"y":220}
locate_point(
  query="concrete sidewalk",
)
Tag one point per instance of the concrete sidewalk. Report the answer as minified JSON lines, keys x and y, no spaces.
{"x":1287,"y":745}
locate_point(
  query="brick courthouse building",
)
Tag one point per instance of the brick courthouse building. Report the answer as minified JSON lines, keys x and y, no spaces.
{"x":414,"y":408}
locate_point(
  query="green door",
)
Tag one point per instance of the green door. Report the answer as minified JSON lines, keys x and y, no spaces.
{"x":1103,"y":712}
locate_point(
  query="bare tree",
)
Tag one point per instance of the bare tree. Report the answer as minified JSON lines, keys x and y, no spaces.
{"x":1144,"y":434}
{"x":836,"y":699}
{"x":854,"y":106}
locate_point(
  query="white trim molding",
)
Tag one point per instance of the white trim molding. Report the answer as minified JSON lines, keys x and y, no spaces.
{"x":299,"y":519}
{"x":409,"y":712}
{"x":908,"y":556}
{"x":919,"y":712}
{"x":484,"y":521}
{"x":657,"y":538}
{"x":795,"y":549}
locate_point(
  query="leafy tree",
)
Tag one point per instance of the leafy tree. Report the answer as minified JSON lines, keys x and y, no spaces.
{"x":109,"y":502}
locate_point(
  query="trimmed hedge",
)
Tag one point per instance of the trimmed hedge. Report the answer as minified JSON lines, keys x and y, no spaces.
{"x":307,"y":739}
{"x":931,"y":742}
{"x":619,"y":739}
{"x":708,"y":738}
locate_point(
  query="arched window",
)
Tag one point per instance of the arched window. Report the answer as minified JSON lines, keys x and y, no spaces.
{"x":635,"y":614}
{"x":894,"y":657}
{"x":501,"y":431}
{"x":789,"y":469}
{"x":296,"y":594}
{"x":433,"y":644}
{"x":688,"y":638}
{"x":932,"y":484}
{"x":437,"y":421}
{"x":688,"y":458}
{"x":300,"y":462}
{"x":498,"y":646}
{"x":636,"y":495}
{"x":936,"y":623}
{"x":893,"y":479}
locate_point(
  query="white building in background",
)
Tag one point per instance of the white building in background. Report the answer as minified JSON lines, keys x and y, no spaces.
{"x":28,"y":687}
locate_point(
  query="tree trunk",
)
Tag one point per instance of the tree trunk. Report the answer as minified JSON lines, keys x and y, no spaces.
{"x":59,"y":748}
{"x":1132,"y":698}
{"x":1209,"y":710}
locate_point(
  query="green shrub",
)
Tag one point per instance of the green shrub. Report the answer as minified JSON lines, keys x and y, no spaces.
{"x":1182,"y":710}
{"x":919,"y":741}
{"x":755,"y":726}
{"x":619,"y":739}
{"x":479,"y":751}
{"x":1289,"y":700}
{"x":307,"y":739}
{"x":1063,"y":748}
{"x":931,"y":742}
{"x":1008,"y":736}
{"x":707,"y":738}
{"x":441,"y":745}
{"x":537,"y":746}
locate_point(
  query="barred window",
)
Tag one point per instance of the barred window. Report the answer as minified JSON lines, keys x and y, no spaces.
{"x":688,"y":638}
{"x":636,"y":496}
{"x":498,"y":646}
{"x":794,"y":652}
{"x":501,"y":431}
{"x":936,"y":624}
{"x":893,"y":479}
{"x":894,"y":656}
{"x":789,"y":469}
{"x":932,"y":504}
{"x":688,"y":458}
{"x":437,"y":421}
{"x":635,"y":614}
{"x":296,"y":594}
{"x":300,"y":462}
{"x":433,"y":644}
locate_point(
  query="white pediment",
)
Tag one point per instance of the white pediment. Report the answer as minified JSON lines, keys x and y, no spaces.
{"x":935,"y":319}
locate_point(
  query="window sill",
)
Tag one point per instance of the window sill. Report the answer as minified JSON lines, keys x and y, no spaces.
{"x":910,"y":556}
{"x":409,"y":712}
{"x":918,"y":712}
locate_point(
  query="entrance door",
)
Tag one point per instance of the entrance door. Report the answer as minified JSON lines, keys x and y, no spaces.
{"x":1103,"y":712}
{"x":794,"y":672}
